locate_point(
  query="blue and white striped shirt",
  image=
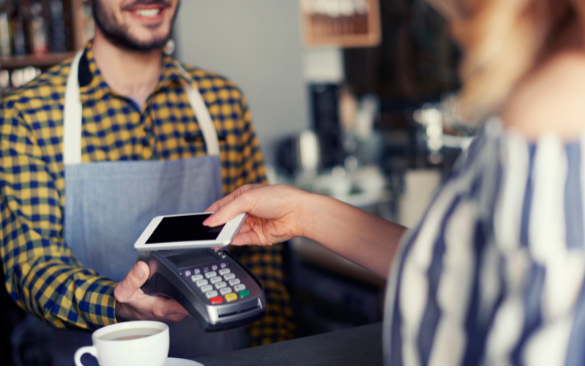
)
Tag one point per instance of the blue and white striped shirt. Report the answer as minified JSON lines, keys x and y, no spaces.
{"x":493,"y":273}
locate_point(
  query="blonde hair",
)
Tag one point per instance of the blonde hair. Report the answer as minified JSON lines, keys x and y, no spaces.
{"x":503,"y":40}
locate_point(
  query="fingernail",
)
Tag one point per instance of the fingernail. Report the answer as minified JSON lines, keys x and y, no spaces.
{"x":138,"y":270}
{"x":210,"y":220}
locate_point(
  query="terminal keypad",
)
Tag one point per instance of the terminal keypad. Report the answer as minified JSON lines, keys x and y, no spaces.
{"x":216,"y":281}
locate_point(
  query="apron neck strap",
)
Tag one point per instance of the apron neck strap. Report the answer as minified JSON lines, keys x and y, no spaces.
{"x":72,"y":116}
{"x":73,"y":109}
{"x":202,"y":112}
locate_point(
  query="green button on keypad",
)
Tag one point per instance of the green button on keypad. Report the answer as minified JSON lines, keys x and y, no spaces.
{"x":244,"y":293}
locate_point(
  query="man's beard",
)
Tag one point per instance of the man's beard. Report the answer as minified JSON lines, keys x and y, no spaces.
{"x":118,"y":34}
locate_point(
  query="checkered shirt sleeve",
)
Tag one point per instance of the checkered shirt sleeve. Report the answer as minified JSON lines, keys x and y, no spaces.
{"x":42,"y":275}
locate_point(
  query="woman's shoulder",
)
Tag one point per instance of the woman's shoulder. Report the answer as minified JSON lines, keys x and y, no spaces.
{"x":550,"y":100}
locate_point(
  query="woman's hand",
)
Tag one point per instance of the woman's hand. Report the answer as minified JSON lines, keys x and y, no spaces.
{"x":273,"y":213}
{"x":278,"y":213}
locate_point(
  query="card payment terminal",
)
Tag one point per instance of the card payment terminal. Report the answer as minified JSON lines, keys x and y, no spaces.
{"x":212,"y":286}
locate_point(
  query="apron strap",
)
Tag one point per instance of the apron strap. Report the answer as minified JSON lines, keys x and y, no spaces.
{"x":73,"y":119}
{"x":205,"y":122}
{"x":72,"y":116}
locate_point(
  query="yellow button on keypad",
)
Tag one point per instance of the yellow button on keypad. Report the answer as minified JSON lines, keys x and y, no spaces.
{"x":231,"y":297}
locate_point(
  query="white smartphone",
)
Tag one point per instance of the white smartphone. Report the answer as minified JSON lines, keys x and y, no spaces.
{"x":187,"y":232}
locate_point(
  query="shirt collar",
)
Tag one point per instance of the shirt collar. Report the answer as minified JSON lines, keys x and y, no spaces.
{"x":92,"y":85}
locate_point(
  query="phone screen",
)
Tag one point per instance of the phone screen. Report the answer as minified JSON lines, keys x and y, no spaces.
{"x":183,"y":228}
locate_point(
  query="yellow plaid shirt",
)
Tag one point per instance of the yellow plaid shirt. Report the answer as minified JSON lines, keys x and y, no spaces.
{"x":42,"y":274}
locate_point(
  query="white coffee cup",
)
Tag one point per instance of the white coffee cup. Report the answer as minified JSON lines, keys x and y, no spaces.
{"x":109,"y":349}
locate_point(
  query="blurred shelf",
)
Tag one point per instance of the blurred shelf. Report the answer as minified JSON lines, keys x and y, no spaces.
{"x":44,"y":61}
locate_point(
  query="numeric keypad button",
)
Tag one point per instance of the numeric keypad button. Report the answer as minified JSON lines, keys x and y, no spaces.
{"x":224,"y":291}
{"x":213,"y":280}
{"x":220,"y":285}
{"x":224,"y":271}
{"x":229,"y":276}
{"x":234,"y":282}
{"x":210,"y":274}
{"x":196,"y":278}
{"x":211,"y":294}
{"x":239,"y":287}
{"x":206,"y":288}
{"x":202,"y":282}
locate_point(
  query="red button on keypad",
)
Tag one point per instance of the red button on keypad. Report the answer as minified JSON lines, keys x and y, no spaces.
{"x":216,"y":300}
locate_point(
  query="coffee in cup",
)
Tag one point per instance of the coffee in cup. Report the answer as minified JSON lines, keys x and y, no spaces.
{"x":129,"y":343}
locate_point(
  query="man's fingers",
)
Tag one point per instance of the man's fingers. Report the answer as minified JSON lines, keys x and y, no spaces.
{"x":167,"y":309}
{"x":172,"y":307}
{"x":132,"y":282}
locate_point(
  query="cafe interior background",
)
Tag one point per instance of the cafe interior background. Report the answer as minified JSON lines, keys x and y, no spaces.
{"x":350,"y":98}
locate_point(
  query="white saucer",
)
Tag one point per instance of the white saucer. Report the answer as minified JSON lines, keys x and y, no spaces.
{"x":181,"y":362}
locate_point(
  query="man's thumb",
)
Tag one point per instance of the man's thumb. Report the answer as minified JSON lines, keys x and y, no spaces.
{"x":132,"y":282}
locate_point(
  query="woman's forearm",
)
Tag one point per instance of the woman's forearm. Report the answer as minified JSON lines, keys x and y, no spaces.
{"x":364,"y":239}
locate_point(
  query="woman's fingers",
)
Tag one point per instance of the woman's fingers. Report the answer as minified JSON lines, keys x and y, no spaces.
{"x":242,"y":204}
{"x":233,"y":195}
{"x":245,"y":228}
{"x":248,"y":238}
{"x":217,"y":205}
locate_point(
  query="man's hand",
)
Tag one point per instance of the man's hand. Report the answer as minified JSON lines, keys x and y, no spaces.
{"x":133,"y":304}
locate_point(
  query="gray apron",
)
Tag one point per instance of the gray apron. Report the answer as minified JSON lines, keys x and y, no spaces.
{"x":109,"y":204}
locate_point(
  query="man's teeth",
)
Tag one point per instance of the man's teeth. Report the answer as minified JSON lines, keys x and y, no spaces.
{"x":148,"y":12}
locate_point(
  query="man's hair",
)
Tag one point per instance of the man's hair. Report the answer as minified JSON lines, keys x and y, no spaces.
{"x":118,"y":34}
{"x":503,"y":40}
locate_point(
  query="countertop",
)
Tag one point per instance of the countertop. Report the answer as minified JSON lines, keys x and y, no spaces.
{"x":354,"y":346}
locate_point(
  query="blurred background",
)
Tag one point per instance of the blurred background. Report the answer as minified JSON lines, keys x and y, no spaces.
{"x":350,"y":98}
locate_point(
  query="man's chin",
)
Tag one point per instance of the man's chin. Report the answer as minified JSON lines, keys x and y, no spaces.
{"x":146,"y":40}
{"x":137,"y":45}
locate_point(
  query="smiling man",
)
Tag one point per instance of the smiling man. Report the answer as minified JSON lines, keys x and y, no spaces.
{"x":92,"y":150}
